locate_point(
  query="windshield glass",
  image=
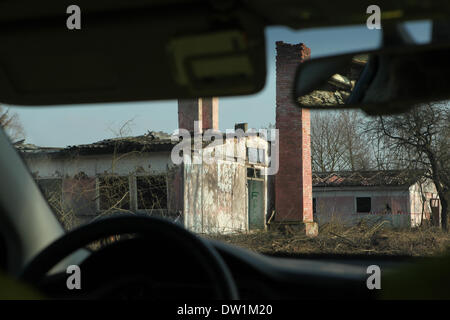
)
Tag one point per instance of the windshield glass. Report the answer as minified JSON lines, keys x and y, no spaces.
{"x":342,"y":182}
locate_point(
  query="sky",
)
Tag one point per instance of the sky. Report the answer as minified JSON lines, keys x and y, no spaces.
{"x":78,"y":124}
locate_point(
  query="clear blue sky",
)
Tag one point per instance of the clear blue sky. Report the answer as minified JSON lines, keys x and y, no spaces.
{"x":58,"y":127}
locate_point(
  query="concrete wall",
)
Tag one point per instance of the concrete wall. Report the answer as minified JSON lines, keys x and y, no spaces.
{"x":215,"y":194}
{"x":339,"y":204}
{"x":94,"y":165}
{"x":215,"y":197}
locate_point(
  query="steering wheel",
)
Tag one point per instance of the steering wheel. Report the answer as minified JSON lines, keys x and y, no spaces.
{"x":210,"y":261}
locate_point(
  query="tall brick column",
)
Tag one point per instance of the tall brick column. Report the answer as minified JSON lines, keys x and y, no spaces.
{"x":189,"y":110}
{"x":293,"y":182}
{"x":210,"y":113}
{"x":203,"y":110}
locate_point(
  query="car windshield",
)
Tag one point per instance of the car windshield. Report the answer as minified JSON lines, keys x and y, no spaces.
{"x":344,"y":183}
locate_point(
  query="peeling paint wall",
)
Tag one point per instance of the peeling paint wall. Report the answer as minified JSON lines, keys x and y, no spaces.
{"x":215,"y":197}
{"x":340,"y":206}
{"x":215,"y":194}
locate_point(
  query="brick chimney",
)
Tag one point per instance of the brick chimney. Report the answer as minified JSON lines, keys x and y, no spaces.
{"x":204,"y":110}
{"x":293,"y":182}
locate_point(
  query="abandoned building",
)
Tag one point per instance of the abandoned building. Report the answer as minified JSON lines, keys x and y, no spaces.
{"x":231,"y":193}
{"x":137,"y":174}
{"x":397,"y":196}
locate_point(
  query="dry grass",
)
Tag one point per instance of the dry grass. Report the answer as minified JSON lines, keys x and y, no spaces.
{"x":336,"y":239}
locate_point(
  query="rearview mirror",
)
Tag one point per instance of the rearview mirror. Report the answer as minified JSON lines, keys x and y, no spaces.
{"x":379,"y":82}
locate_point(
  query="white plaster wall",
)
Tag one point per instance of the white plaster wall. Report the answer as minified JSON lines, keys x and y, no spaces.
{"x":215,"y":197}
{"x":93,"y":165}
{"x":416,"y":200}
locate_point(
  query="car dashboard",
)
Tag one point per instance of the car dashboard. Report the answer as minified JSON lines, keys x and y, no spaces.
{"x":140,"y":271}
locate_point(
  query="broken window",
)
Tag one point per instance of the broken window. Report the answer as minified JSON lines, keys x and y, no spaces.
{"x":80,"y":195}
{"x":114,"y":193}
{"x":314,"y":205}
{"x":255,"y":155}
{"x":363,"y":204}
{"x":262,"y":156}
{"x":252,"y":155}
{"x":52,"y":191}
{"x":151,"y":192}
{"x":253,"y":173}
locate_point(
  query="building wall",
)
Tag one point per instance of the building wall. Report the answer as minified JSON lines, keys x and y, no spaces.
{"x":80,"y":185}
{"x":215,"y":194}
{"x":215,"y":197}
{"x":339,"y":205}
{"x":420,"y":196}
{"x":207,"y":197}
{"x":94,"y":165}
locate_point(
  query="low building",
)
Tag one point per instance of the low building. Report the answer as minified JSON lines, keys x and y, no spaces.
{"x":225,"y":192}
{"x":400,"y":197}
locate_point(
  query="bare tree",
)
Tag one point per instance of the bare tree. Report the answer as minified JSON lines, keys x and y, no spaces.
{"x":420,"y":139}
{"x":356,"y":150}
{"x":326,"y":148}
{"x":10,"y":123}
{"x":338,"y":141}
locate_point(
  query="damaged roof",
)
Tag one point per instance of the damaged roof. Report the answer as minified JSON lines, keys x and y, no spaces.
{"x":31,"y":148}
{"x":391,"y":178}
{"x":152,"y":141}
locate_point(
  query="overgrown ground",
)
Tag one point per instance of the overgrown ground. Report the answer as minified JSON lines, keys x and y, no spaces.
{"x":378,"y":239}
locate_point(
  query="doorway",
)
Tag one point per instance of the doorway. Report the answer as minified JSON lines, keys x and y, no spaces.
{"x":255,"y":204}
{"x":435,"y":208}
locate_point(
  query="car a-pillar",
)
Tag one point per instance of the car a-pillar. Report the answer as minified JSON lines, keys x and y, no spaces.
{"x":293,"y":182}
